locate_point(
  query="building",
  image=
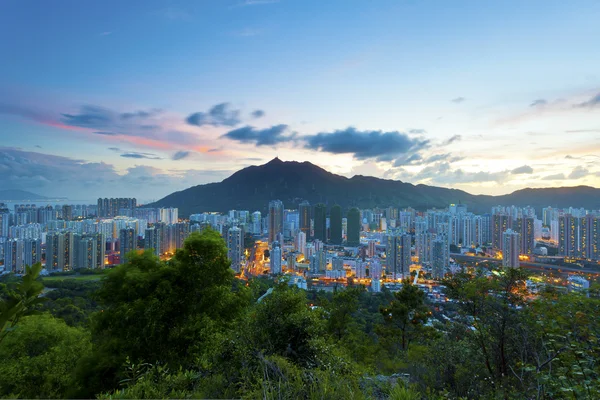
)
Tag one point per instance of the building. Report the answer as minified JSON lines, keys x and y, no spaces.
{"x":300,"y":242}
{"x":60,"y":251}
{"x":276,"y":258}
{"x":526,"y":227}
{"x":500,"y":223}
{"x":440,"y":258}
{"x":275,"y":219}
{"x":108,"y":208}
{"x":152,"y":239}
{"x":32,"y":251}
{"x":335,"y":218}
{"x":235,"y":248}
{"x":578,"y":284}
{"x":320,"y":222}
{"x":511,"y":245}
{"x":169,"y":215}
{"x":13,"y":255}
{"x":127,"y":243}
{"x":67,"y":212}
{"x":398,"y":256}
{"x":590,"y":237}
{"x":568,"y":235}
{"x":423,"y":244}
{"x":353,"y":227}
{"x":86,"y":253}
{"x":256,"y":223}
{"x":304,"y":217}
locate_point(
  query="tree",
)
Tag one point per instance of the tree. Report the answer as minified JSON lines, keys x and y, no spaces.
{"x":22,"y":301}
{"x":492,"y":305}
{"x":38,"y":357}
{"x":341,"y":309}
{"x":405,"y":315}
{"x":163,"y":312}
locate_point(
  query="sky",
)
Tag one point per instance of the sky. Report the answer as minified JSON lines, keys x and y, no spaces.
{"x":143,"y":98}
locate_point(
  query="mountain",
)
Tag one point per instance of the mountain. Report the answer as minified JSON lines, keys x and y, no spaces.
{"x":291,"y":182}
{"x":19,"y":195}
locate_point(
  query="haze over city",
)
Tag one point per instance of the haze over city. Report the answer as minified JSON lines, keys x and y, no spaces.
{"x":147,"y":97}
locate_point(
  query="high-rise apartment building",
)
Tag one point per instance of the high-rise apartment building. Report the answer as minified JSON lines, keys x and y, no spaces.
{"x":152,"y":240}
{"x":335,"y":217}
{"x":13,"y":255}
{"x":300,"y":242}
{"x":275,"y":219}
{"x":108,"y":208}
{"x":320,"y":220}
{"x":304,"y":217}
{"x":235,"y":248}
{"x":276,"y":258}
{"x":440,"y":258}
{"x":511,"y":248}
{"x":127,"y":243}
{"x":32,"y":251}
{"x":353,"y":227}
{"x":398,"y":256}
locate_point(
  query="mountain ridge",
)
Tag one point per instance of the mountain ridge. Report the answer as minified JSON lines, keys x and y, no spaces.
{"x":252,"y":187}
{"x":19,"y":195}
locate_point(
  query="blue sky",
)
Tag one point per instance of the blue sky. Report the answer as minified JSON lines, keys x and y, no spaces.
{"x":489,"y":97}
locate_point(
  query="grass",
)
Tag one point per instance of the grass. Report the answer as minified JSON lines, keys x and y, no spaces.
{"x":76,"y":277}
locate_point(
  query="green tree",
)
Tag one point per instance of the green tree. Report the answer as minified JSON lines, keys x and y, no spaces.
{"x":21,"y":301}
{"x":38,"y":357}
{"x":163,"y":312}
{"x":404,"y":316}
{"x":341,"y":309}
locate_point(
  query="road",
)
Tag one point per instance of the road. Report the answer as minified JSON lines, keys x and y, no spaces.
{"x":530,"y":265}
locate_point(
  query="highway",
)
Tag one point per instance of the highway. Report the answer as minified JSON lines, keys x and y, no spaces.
{"x":529,"y":265}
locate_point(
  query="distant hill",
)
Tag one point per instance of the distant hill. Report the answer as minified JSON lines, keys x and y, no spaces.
{"x":291,"y":182}
{"x":19,"y":195}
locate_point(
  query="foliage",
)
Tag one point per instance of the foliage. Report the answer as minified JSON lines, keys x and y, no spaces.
{"x":404,"y":316}
{"x":21,"y":301}
{"x":38,"y":357}
{"x":163,"y":312}
{"x":72,"y":300}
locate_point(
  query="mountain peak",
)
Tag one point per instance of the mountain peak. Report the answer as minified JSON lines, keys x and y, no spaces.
{"x":275,"y":161}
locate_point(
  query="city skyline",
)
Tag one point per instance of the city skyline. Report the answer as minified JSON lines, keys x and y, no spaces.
{"x":146,"y":98}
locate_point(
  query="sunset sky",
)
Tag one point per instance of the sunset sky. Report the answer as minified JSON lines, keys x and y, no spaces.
{"x":142,"y":98}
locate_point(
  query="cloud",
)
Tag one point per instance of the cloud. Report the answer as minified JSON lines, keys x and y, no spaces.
{"x":442,"y":173}
{"x":382,"y":146}
{"x":593,"y":102}
{"x":260,"y":137}
{"x":458,"y":100}
{"x":258,"y":114}
{"x":141,"y":114}
{"x":451,"y":140}
{"x":105,"y":133}
{"x":134,"y":154}
{"x":90,"y":117}
{"x":417,"y":131}
{"x":417,"y":159}
{"x":578,"y":172}
{"x":105,"y":33}
{"x":51,"y":175}
{"x":555,"y":177}
{"x":115,"y":149}
{"x":180,"y":155}
{"x":218,"y":115}
{"x":538,"y":102}
{"x":525,"y":169}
